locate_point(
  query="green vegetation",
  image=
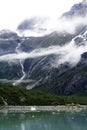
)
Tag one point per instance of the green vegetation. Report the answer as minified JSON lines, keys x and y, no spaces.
{"x":10,"y":95}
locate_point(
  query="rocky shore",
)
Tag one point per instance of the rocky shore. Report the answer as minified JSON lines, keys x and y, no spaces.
{"x":71,"y":108}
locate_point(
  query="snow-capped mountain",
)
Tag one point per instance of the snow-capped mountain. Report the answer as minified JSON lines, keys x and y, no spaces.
{"x":56,"y":62}
{"x":77,"y":10}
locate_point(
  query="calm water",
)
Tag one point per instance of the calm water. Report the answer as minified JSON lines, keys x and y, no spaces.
{"x":43,"y":121}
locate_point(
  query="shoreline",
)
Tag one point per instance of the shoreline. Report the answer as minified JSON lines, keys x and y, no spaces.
{"x":67,"y":108}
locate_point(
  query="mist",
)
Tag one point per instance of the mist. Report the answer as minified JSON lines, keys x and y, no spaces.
{"x":70,"y":52}
{"x":13,"y":13}
{"x":41,"y":25}
{"x":49,"y":25}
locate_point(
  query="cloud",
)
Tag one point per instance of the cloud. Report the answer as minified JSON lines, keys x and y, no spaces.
{"x":67,"y":23}
{"x":16,"y":11}
{"x":70,"y":52}
{"x":40,"y":26}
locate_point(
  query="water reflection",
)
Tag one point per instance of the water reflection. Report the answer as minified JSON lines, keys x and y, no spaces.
{"x":44,"y":121}
{"x":22,"y":126}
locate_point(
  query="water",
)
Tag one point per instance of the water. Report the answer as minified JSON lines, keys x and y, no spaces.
{"x":18,"y":51}
{"x":44,"y":121}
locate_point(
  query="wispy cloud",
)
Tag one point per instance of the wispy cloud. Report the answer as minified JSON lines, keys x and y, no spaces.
{"x":70,"y":52}
{"x":41,"y":27}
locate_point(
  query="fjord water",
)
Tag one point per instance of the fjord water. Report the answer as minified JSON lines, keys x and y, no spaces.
{"x":44,"y":121}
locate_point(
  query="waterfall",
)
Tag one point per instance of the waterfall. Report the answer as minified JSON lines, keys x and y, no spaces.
{"x":18,"y":51}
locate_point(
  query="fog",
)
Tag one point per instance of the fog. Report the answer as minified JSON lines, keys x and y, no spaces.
{"x":44,"y":25}
{"x":14,"y":12}
{"x":60,"y":25}
{"x":70,"y":52}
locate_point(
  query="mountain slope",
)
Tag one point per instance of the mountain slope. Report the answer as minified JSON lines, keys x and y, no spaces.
{"x":10,"y":95}
{"x":55,"y":63}
{"x":78,"y":10}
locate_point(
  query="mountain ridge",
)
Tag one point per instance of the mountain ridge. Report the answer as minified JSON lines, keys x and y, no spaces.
{"x":77,"y":10}
{"x":50,"y":72}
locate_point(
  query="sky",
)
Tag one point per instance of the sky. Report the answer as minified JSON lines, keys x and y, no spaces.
{"x":13,"y":12}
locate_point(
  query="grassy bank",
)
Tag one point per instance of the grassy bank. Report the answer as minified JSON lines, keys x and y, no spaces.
{"x":10,"y":95}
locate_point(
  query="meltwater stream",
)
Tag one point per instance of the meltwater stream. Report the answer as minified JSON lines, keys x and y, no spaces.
{"x":44,"y":121}
{"x":21,"y":64}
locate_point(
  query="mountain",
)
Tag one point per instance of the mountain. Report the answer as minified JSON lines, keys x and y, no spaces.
{"x":13,"y":70}
{"x":32,"y":23}
{"x":7,"y":34}
{"x":15,"y":96}
{"x":54,"y":63}
{"x":65,"y":79}
{"x":34,"y":26}
{"x":77,"y":10}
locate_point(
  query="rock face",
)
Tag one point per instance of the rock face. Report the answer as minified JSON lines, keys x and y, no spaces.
{"x":58,"y":80}
{"x":78,"y":83}
{"x":33,"y":25}
{"x":6,"y":34}
{"x":84,"y":56}
{"x":77,"y":10}
{"x":36,"y":69}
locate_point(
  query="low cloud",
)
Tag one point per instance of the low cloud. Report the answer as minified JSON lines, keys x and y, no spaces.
{"x":70,"y":52}
{"x":44,"y":26}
